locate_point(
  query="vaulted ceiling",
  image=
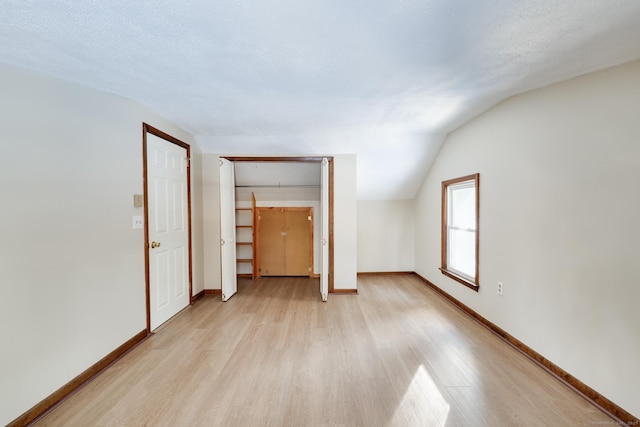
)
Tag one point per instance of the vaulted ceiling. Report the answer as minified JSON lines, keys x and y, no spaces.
{"x":383,"y":79}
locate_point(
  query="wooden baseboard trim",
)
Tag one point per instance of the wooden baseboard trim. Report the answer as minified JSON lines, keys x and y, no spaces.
{"x":614,"y":411}
{"x":245,"y":276}
{"x":57,"y":396}
{"x":344,"y":292}
{"x":213,"y":291}
{"x":384,"y":273}
{"x":197,"y":296}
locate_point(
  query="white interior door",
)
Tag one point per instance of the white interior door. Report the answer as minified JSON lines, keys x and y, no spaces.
{"x":228,"y":229}
{"x":168,"y":229}
{"x":324,"y":273}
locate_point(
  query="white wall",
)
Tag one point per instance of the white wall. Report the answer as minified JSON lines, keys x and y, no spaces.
{"x":211,"y":223}
{"x":559,"y":201}
{"x":386,"y":231}
{"x":345,"y":221}
{"x":197,"y":219}
{"x":71,"y":266}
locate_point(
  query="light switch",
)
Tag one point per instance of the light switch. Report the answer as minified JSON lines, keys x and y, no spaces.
{"x":138,"y":222}
{"x":138,"y":201}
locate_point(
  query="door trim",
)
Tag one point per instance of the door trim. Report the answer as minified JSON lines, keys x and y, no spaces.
{"x":146,"y":128}
{"x":303,"y":159}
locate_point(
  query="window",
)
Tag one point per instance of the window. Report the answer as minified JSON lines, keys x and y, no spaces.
{"x":460,"y":209}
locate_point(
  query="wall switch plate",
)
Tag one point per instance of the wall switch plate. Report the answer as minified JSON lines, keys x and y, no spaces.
{"x":138,"y":222}
{"x":138,"y":201}
{"x":500,"y":288}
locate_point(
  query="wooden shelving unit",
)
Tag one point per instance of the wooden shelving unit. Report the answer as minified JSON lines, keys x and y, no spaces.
{"x":244,"y":242}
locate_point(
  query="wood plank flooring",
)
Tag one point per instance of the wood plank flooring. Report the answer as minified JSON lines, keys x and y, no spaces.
{"x":397,"y":354}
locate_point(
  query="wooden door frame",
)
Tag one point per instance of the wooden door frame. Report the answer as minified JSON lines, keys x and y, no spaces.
{"x":256,"y":235}
{"x":303,"y":159}
{"x":148,"y":129}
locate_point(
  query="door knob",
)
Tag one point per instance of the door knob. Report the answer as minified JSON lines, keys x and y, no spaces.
{"x":155,"y":245}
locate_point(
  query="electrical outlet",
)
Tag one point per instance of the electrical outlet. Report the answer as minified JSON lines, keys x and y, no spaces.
{"x":138,"y":222}
{"x":500,"y":288}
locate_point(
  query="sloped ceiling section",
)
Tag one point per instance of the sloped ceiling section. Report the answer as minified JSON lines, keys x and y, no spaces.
{"x":385,"y":80}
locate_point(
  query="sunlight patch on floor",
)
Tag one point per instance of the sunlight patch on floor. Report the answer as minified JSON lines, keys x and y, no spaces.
{"x":422,"y":404}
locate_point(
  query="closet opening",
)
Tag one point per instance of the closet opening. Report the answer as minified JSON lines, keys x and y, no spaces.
{"x":276,"y":219}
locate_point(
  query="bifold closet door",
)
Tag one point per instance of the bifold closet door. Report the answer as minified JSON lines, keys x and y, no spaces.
{"x":228,"y":229}
{"x":324,"y":233}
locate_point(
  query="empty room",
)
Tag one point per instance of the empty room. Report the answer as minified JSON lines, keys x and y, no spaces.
{"x":336,"y":213}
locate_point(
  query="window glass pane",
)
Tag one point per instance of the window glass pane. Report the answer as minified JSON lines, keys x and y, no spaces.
{"x":463,"y":207}
{"x":460,"y":229}
{"x":462,"y":252}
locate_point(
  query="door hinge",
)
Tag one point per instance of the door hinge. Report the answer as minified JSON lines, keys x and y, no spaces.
{"x":188,"y":160}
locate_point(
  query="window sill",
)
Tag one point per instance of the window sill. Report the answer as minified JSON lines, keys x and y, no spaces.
{"x":469,"y":284}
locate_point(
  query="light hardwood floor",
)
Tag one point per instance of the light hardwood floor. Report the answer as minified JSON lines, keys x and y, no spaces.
{"x":397,"y":354}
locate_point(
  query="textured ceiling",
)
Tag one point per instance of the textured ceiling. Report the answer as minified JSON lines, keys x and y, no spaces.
{"x":383,"y":79}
